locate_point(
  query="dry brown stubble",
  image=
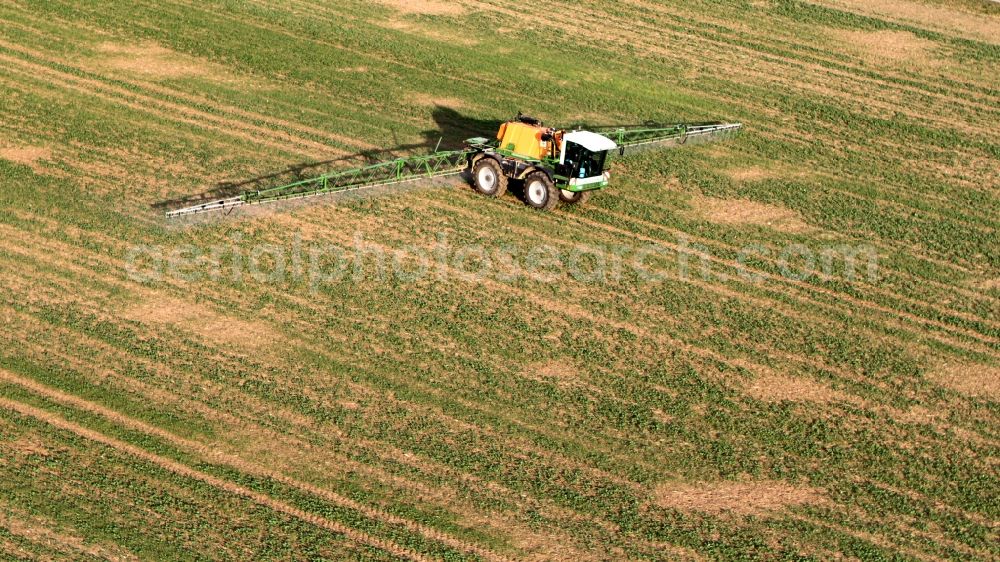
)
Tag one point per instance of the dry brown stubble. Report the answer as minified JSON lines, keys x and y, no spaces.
{"x":738,"y":498}
{"x":892,"y":47}
{"x":778,"y":387}
{"x":752,"y":173}
{"x":986,"y":284}
{"x":151,"y":60}
{"x":951,"y":19}
{"x":432,"y":100}
{"x":741,"y":212}
{"x":26,"y":155}
{"x":424,"y":7}
{"x":201,"y":320}
{"x":435,"y":33}
{"x":971,"y":379}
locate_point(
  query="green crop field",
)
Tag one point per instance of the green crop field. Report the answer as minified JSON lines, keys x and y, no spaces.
{"x":781,"y":346}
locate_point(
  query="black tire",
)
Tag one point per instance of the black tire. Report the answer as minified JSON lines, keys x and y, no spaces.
{"x":488,"y":178}
{"x":540,"y":192}
{"x":577,"y":198}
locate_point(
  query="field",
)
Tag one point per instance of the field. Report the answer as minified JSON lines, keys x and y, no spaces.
{"x":785,"y":345}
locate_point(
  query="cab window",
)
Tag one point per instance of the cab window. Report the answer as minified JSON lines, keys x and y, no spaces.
{"x":582,"y":163}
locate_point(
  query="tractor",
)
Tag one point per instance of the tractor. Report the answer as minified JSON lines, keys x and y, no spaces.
{"x":553,"y":165}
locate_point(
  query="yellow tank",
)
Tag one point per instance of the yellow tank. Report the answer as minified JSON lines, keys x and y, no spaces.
{"x":524,"y":141}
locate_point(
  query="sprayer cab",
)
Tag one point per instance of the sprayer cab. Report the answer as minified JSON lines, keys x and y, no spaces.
{"x":574,"y":160}
{"x":582,"y":158}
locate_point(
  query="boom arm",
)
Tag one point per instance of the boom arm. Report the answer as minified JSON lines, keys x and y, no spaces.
{"x":636,"y":139}
{"x":392,"y":172}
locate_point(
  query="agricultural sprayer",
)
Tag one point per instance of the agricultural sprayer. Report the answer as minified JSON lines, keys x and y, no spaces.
{"x":553,"y":165}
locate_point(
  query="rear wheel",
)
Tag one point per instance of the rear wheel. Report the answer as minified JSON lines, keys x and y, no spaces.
{"x":574,"y":198}
{"x":540,"y":192}
{"x":488,"y":178}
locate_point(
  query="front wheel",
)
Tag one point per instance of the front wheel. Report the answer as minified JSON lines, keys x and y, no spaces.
{"x":539,"y":191}
{"x":574,"y":197}
{"x":488,"y":178}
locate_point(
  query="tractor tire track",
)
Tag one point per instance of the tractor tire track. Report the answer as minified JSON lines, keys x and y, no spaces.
{"x":445,"y":497}
{"x":185,"y":471}
{"x":82,"y":272}
{"x":257,"y":23}
{"x":721,"y":358}
{"x":859,"y":284}
{"x":710,"y":24}
{"x":72,"y":84}
{"x":682,"y":44}
{"x":373,"y":447}
{"x":377,"y":449}
{"x":887,"y":248}
{"x":806,"y":61}
{"x":251,"y":468}
{"x":170,"y":111}
{"x":436,"y":392}
{"x":742,"y":362}
{"x":765,"y":304}
{"x":730,"y":294}
{"x":718,"y":244}
{"x":213,"y":481}
{"x":349,"y":141}
{"x":223,"y":108}
{"x":982,"y":345}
